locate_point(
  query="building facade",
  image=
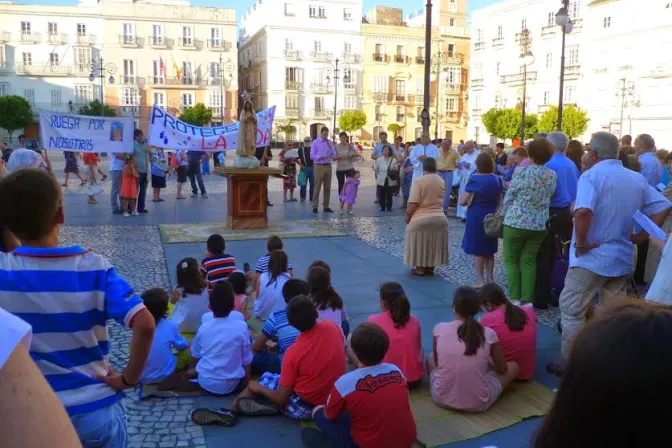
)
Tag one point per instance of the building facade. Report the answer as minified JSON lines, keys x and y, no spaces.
{"x":613,"y":67}
{"x":288,"y":53}
{"x":162,"y":52}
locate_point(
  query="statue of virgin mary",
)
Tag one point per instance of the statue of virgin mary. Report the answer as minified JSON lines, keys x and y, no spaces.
{"x":247,"y":138}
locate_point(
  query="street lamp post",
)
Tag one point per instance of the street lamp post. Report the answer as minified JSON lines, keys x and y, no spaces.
{"x":223,"y":70}
{"x":346,"y":79}
{"x":526,"y":59}
{"x":624,"y":90}
{"x":438,"y":63}
{"x":428,"y":58}
{"x":563,"y":21}
{"x":98,"y":70}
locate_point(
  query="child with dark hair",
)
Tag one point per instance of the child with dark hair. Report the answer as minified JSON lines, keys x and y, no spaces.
{"x":161,"y":362}
{"x":217,"y":265}
{"x":368,"y":407}
{"x":516,"y":328}
{"x":273,"y":244}
{"x":309,"y":368}
{"x":239,"y":284}
{"x":278,"y":326}
{"x":329,"y":304}
{"x":459,"y":369}
{"x":221,"y":351}
{"x":403,"y":331}
{"x":319,"y":263}
{"x":270,"y":298}
{"x":190,"y":296}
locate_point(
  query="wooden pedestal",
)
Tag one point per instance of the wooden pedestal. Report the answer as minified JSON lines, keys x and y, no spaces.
{"x":246,"y":196}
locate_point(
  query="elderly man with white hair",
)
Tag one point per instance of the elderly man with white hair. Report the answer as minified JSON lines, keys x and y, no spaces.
{"x":559,"y":216}
{"x":467,"y":166}
{"x":600,"y":258}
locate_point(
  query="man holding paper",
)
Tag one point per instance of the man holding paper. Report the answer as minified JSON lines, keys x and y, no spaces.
{"x":601,"y":253}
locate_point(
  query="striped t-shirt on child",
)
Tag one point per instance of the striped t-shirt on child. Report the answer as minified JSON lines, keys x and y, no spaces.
{"x":262,"y":264}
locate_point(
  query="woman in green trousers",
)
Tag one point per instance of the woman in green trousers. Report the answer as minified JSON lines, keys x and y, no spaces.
{"x":526,"y":207}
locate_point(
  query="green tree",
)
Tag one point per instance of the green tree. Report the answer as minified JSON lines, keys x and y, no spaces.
{"x":490,"y":120}
{"x":505,"y":123}
{"x":93,"y":109}
{"x":15,"y":113}
{"x":574,"y":121}
{"x":394,"y":128}
{"x":199,"y":115}
{"x":287,"y":128}
{"x":351,"y":120}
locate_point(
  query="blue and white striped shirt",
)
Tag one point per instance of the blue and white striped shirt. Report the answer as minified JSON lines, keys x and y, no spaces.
{"x":262,"y":264}
{"x":67,"y":294}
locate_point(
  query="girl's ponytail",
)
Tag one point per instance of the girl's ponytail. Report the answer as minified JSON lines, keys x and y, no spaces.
{"x":467,"y":304}
{"x":397,"y":303}
{"x":514,"y":317}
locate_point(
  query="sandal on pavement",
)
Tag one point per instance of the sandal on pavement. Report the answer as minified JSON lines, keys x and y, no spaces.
{"x":255,"y":407}
{"x":211,"y":416}
{"x":417,"y":273}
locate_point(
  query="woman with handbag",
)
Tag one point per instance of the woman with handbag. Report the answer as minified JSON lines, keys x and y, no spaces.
{"x":345,"y":156}
{"x":387,"y":176}
{"x":158,"y":169}
{"x":481,"y":196}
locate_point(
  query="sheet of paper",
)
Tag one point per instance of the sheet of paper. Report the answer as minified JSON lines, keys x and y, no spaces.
{"x":649,"y":226}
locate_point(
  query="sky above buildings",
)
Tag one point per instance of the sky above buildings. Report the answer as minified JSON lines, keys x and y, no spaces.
{"x":242,"y":5}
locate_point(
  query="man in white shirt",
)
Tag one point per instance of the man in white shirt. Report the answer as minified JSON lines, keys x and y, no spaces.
{"x":420,"y":152}
{"x":467,"y":166}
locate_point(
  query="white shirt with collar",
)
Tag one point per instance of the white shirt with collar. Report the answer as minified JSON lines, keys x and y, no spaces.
{"x":418,"y":150}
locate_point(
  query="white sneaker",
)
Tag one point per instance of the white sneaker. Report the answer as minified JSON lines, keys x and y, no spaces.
{"x":136,"y":214}
{"x":352,"y":213}
{"x":340,"y":212}
{"x":126,"y":214}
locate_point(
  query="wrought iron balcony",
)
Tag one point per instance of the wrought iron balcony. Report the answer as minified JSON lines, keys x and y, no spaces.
{"x":160,"y":42}
{"x":57,"y":38}
{"x":319,"y":56}
{"x":85,"y":39}
{"x":293,"y":55}
{"x":218,"y":44}
{"x":352,"y":58}
{"x":479,"y":46}
{"x":379,"y":57}
{"x":401,"y":59}
{"x":548,"y":31}
{"x":320,"y":113}
{"x":399,"y":97}
{"x":292,"y":85}
{"x":380,"y":96}
{"x":31,"y":38}
{"x":477,"y":83}
{"x":420,"y":60}
{"x":292,"y":112}
{"x":517,"y":79}
{"x":498,"y":42}
{"x":128,"y":41}
{"x":5,"y":37}
{"x":416,"y":99}
{"x":189,"y":43}
{"x":321,"y":88}
{"x":43,"y":70}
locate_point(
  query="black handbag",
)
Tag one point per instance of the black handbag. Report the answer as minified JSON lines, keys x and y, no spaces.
{"x":392,"y":174}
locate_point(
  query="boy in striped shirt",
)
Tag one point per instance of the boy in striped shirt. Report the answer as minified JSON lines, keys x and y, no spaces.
{"x":217,"y":266}
{"x":273,"y":244}
{"x":66,"y":294}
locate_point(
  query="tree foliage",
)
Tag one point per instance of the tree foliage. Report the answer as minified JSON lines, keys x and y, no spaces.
{"x":15,"y":113}
{"x":506,"y":123}
{"x":574,"y":121}
{"x":287,"y":127}
{"x":93,"y":109}
{"x":394,"y":128}
{"x":352,"y":120}
{"x":199,"y":115}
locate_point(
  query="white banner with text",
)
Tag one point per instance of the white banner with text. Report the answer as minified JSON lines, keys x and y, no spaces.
{"x":82,"y":133}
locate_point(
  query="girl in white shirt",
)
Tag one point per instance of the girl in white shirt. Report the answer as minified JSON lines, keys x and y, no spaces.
{"x":270,"y":298}
{"x":329,"y":304}
{"x":190,"y":297}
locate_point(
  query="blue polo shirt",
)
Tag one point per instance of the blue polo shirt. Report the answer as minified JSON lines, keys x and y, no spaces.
{"x":568,"y":179}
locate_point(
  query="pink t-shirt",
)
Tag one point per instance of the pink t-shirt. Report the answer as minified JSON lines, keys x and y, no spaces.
{"x":517,"y":346}
{"x":461,"y":381}
{"x":238,"y":302}
{"x":405,"y":349}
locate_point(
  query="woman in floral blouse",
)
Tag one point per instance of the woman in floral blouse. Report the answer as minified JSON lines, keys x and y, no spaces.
{"x":526,"y":206}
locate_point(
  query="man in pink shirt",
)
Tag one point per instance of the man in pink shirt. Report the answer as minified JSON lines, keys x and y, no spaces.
{"x":322,"y":153}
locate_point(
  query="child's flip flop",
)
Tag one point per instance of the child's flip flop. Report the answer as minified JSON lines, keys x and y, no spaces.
{"x":211,"y":416}
{"x":255,"y":407}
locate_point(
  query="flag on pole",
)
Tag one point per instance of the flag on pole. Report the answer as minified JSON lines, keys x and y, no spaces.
{"x":163,"y":71}
{"x":178,"y":74}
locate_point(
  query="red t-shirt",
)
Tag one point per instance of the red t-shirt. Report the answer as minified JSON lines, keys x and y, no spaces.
{"x":405,"y":349}
{"x":377,"y":400}
{"x":517,"y":346}
{"x":314,"y":362}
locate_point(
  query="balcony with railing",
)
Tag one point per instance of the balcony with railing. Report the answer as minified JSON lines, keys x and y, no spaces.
{"x":548,"y":31}
{"x":160,"y":42}
{"x":5,"y":36}
{"x":189,"y":43}
{"x":420,"y":60}
{"x":292,"y":85}
{"x":129,"y":110}
{"x":31,"y":38}
{"x":477,"y":83}
{"x":573,"y":71}
{"x":498,"y":42}
{"x":401,"y":59}
{"x":291,"y":112}
{"x":85,"y":39}
{"x":379,"y":57}
{"x":321,"y":56}
{"x":380,"y":96}
{"x":400,"y":117}
{"x":57,"y":38}
{"x":42,"y":70}
{"x":182,"y":81}
{"x":129,"y":41}
{"x":518,"y":78}
{"x":293,"y":55}
{"x":476,"y":112}
{"x":320,"y":113}
{"x":351,"y":88}
{"x":321,"y":88}
{"x":216,"y":110}
{"x":418,"y":99}
{"x":451,"y":87}
{"x":218,"y":44}
{"x":133,"y":80}
{"x":352,"y":58}
{"x":479,"y":46}
{"x":399,"y":97}
{"x":81,"y":69}
{"x":578,"y":24}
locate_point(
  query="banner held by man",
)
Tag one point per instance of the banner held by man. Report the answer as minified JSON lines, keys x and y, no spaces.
{"x":83,"y":133}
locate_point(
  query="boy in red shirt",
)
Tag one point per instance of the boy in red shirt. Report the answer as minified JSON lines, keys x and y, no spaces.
{"x":368,"y":407}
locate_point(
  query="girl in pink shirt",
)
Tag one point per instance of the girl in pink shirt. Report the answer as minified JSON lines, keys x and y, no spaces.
{"x":465,"y":354}
{"x":516,"y":328}
{"x":329,"y":304}
{"x":403,"y":330}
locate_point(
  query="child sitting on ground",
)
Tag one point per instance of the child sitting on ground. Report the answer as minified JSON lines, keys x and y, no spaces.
{"x":403,"y":331}
{"x":460,"y":365}
{"x":310,"y":368}
{"x":221,"y":351}
{"x":161,"y":362}
{"x":190,"y":297}
{"x":516,"y":328}
{"x":277,"y":326}
{"x":368,"y":407}
{"x":217,"y":265}
{"x":329,"y":304}
{"x":273,"y":244}
{"x":67,"y":294}
{"x":270,"y":297}
{"x":239,"y":284}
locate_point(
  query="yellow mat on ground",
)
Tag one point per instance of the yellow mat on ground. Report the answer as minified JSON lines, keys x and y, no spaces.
{"x":438,"y":426}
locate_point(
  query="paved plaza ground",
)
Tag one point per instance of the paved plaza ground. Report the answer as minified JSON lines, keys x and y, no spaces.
{"x":369,"y":252}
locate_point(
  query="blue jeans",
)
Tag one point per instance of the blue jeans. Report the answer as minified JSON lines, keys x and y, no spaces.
{"x":142,"y":190}
{"x":448,"y":181}
{"x":116,"y":187}
{"x":264,"y":361}
{"x":205,"y":166}
{"x":104,"y":428}
{"x":338,"y":431}
{"x":194,"y":172}
{"x":310,"y":176}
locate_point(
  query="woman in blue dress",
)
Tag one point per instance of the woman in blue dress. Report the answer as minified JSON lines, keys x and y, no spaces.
{"x":408,"y":175}
{"x":482,"y":194}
